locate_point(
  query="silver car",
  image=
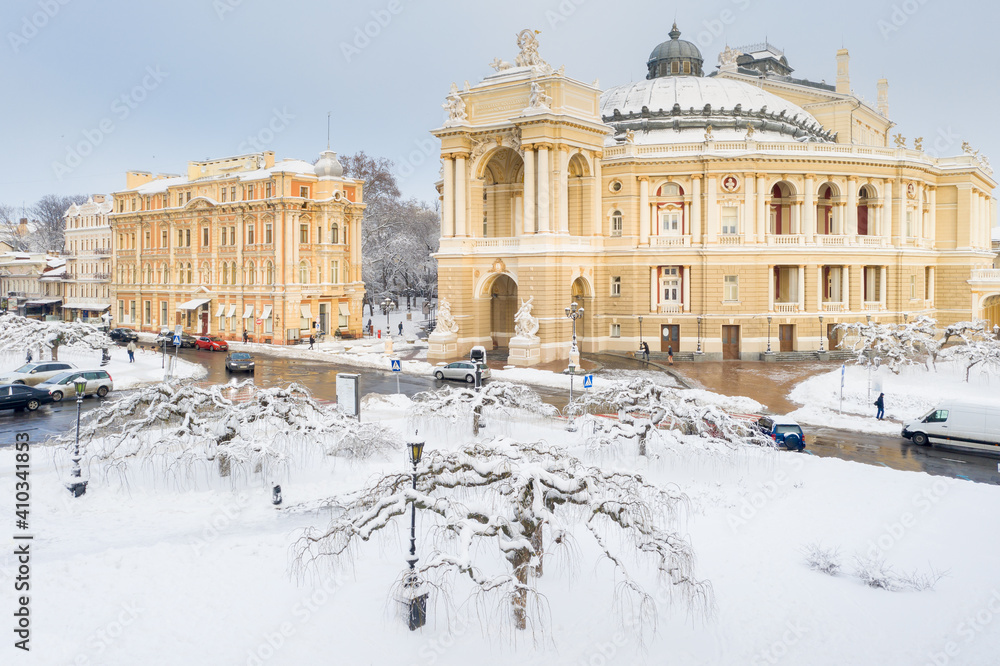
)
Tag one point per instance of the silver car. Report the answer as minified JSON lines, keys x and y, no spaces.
{"x":61,"y":386}
{"x":35,"y":373}
{"x":462,"y":370}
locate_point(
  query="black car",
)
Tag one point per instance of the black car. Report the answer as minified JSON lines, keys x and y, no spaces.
{"x":123,"y":335}
{"x":187,"y":341}
{"x":240,"y":362}
{"x":18,"y":396}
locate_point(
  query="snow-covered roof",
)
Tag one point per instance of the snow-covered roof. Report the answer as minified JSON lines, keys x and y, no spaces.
{"x":294,"y":166}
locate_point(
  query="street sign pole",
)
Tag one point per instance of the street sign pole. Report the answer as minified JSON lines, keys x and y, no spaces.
{"x":397,"y":368}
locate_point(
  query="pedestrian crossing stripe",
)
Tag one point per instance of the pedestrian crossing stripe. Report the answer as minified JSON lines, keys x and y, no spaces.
{"x":397,"y":366}
{"x":588,"y":381}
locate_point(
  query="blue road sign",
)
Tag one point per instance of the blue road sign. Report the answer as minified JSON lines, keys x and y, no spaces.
{"x":397,"y":365}
{"x":588,"y":381}
{"x":177,"y":341}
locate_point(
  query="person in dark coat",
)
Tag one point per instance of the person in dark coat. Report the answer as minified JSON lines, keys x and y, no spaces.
{"x":645,"y":351}
{"x":670,"y":354}
{"x":371,"y":330}
{"x":400,"y":328}
{"x":245,"y":336}
{"x":312,"y":340}
{"x":880,"y":405}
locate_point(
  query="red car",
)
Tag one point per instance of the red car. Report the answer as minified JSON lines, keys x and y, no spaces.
{"x":211,"y":343}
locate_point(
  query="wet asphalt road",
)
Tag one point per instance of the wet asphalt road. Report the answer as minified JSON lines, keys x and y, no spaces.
{"x":320,"y":379}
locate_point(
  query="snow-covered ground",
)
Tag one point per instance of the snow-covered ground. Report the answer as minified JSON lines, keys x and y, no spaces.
{"x":146,"y":369}
{"x":908,"y":395}
{"x":196,"y":572}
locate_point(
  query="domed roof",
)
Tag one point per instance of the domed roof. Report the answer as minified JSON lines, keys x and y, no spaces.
{"x":678,"y":51}
{"x":328,"y":166}
{"x":678,"y":109}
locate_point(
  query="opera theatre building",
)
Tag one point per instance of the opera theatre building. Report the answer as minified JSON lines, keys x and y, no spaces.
{"x":723,"y":212}
{"x":240,"y":244}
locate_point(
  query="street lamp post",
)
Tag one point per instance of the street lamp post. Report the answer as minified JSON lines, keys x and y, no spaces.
{"x":640,"y":332}
{"x":416,"y":597}
{"x":769,"y":318}
{"x":78,"y":487}
{"x":700,"y":318}
{"x":387,"y":306}
{"x":574,"y":312}
{"x":821,"y":334}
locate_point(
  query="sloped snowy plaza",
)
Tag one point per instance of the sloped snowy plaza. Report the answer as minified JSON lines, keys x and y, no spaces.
{"x":668,"y":534}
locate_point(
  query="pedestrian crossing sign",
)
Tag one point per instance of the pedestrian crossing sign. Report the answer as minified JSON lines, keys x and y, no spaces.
{"x":397,"y":365}
{"x":588,"y":381}
{"x":177,"y":341}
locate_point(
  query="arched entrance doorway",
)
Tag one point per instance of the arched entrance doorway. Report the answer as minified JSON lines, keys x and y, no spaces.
{"x":582,"y":295}
{"x":991,"y":311}
{"x":503,"y":195}
{"x":503,"y":307}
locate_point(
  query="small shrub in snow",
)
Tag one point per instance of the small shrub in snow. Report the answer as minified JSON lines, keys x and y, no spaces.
{"x":824,"y":560}
{"x":875,"y":573}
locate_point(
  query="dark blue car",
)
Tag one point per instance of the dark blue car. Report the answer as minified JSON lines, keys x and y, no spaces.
{"x":19,"y":396}
{"x":784,"y":431}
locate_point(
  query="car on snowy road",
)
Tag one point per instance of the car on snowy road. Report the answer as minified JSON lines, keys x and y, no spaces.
{"x":240,"y":362}
{"x":35,"y":373}
{"x":123,"y":335}
{"x":168,"y":340}
{"x":211,"y":343}
{"x":18,"y":396}
{"x":463,"y":371}
{"x":61,"y":386}
{"x":784,"y":431}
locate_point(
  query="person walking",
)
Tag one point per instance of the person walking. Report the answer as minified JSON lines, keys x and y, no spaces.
{"x":670,"y":354}
{"x":131,"y":351}
{"x":29,"y":357}
{"x":312,"y":340}
{"x":246,"y":336}
{"x":400,"y":328}
{"x":645,"y":351}
{"x":371,"y":331}
{"x":880,"y":405}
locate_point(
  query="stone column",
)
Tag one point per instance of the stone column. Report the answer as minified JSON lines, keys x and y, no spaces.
{"x":517,"y":208}
{"x":849,"y":223}
{"x":712,"y":211}
{"x":770,"y":288}
{"x":930,"y":287}
{"x":544,"y":190}
{"x":654,"y":289}
{"x":974,"y":218}
{"x":761,"y":222}
{"x":643,"y":211}
{"x":845,"y":287}
{"x":686,"y":289}
{"x":795,"y":211}
{"x":802,"y":288}
{"x":901,"y":216}
{"x":747,"y":215}
{"x":530,"y":222}
{"x":820,"y":286}
{"x":886,"y":217}
{"x":809,"y":219}
{"x":562,"y":195}
{"x":695,"y":221}
{"x":448,"y":213}
{"x":882,"y":295}
{"x":461,"y":196}
{"x":932,"y":219}
{"x":597,"y":214}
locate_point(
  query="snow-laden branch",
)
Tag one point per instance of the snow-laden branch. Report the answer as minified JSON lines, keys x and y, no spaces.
{"x":496,"y":399}
{"x":18,"y":334}
{"x":525,"y":499}
{"x":896,"y":345}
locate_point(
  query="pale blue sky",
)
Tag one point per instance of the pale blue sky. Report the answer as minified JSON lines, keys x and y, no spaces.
{"x":232,"y":70}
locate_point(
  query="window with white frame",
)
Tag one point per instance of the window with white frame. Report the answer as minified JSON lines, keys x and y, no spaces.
{"x":730,"y":220}
{"x":335,"y":271}
{"x":616,"y":330}
{"x":670,"y":285}
{"x":616,"y":286}
{"x":731,"y":288}
{"x":670,"y":222}
{"x":617,"y":222}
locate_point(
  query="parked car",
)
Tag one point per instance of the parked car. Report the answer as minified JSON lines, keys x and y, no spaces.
{"x":18,"y":396}
{"x":211,"y":343}
{"x":123,"y":335}
{"x":784,"y":431}
{"x":959,"y":424}
{"x":240,"y":362}
{"x":35,"y":373}
{"x":99,"y":382}
{"x":167,"y":339}
{"x":462,"y":370}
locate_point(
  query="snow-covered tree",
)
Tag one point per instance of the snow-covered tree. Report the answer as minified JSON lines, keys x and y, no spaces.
{"x":238,"y":426}
{"x":495,"y":399}
{"x":978,"y":346}
{"x":527,"y":501}
{"x":648,"y":413}
{"x":896,"y":345}
{"x":19,"y":334}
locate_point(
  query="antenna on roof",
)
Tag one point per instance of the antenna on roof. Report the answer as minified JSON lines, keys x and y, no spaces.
{"x":328,"y":130}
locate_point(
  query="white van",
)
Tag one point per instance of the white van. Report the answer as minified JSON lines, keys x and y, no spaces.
{"x":963,"y":425}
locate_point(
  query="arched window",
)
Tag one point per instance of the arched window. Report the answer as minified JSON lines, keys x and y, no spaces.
{"x":269,"y":277}
{"x":180,"y":273}
{"x":225,"y":273}
{"x":232,"y":273}
{"x":617,"y":222}
{"x":304,"y":272}
{"x":251,"y":273}
{"x":334,"y":234}
{"x":190,"y":276}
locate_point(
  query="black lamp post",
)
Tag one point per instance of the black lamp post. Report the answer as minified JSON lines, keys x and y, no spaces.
{"x":574,"y":312}
{"x":700,"y":318}
{"x":78,"y":487}
{"x":387,"y":306}
{"x":640,"y":332}
{"x":416,"y":599}
{"x":769,"y":318}
{"x":821,"y":333}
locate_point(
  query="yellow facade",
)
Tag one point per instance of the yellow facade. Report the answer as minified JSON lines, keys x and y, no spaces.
{"x":722,"y":213}
{"x":240,"y":244}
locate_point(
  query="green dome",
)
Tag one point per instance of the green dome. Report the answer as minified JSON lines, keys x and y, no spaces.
{"x":675,"y":57}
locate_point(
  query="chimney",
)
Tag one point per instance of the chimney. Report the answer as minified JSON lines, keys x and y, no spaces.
{"x":22,"y":227}
{"x":883,"y":97}
{"x":843,"y":72}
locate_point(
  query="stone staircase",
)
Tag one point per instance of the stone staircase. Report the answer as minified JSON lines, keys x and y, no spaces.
{"x":838,"y":356}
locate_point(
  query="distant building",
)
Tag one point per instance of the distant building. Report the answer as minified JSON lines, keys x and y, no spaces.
{"x":87,"y":285}
{"x":31,"y":284}
{"x":240,"y":244}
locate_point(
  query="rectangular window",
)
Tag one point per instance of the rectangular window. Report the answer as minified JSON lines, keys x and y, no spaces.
{"x":616,"y":286}
{"x":267,"y":234}
{"x":163,"y":239}
{"x":248,"y":192}
{"x":909,"y":224}
{"x":249,"y":234}
{"x":616,"y":330}
{"x":232,"y":235}
{"x":204,"y":237}
{"x":335,"y":271}
{"x":267,"y":190}
{"x":304,"y":191}
{"x":304,"y":234}
{"x":147,"y":245}
{"x":616,"y":223}
{"x":180,"y":238}
{"x":731,"y":288}
{"x":670,"y":285}
{"x":148,"y":308}
{"x":670,"y":223}
{"x":730,"y":220}
{"x":232,"y":193}
{"x":121,"y":312}
{"x":163,"y":314}
{"x":187,"y":238}
{"x":913,"y":287}
{"x":223,"y":195}
{"x":189,"y":197}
